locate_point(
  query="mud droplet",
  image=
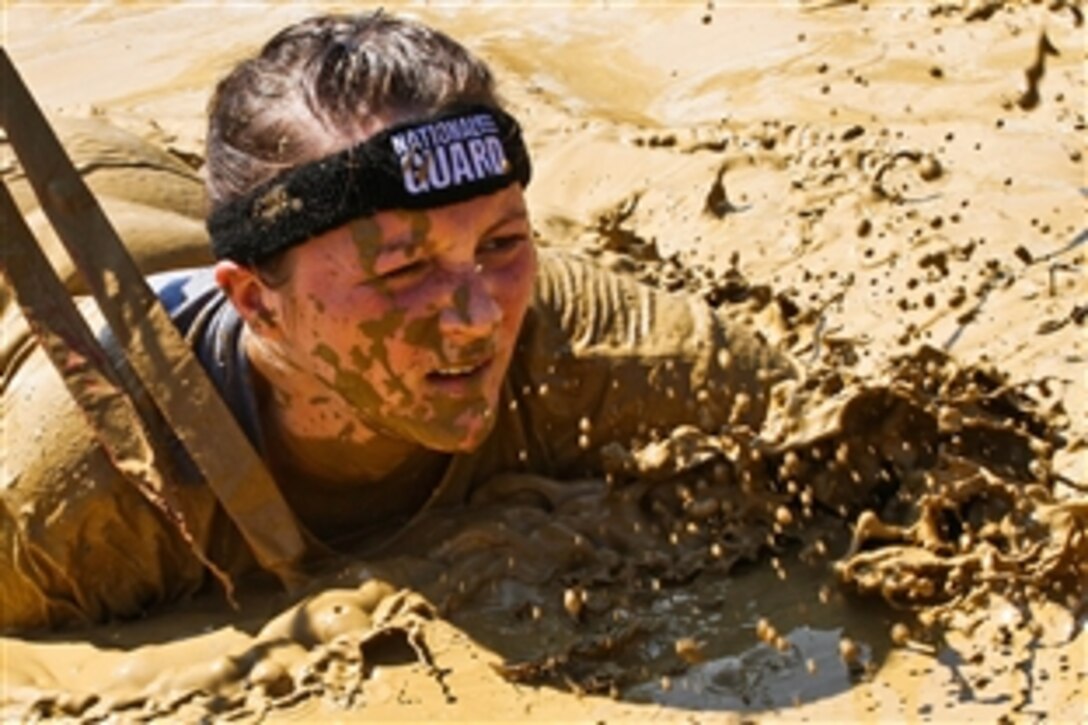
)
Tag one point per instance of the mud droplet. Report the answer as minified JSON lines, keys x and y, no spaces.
{"x":900,"y":634}
{"x":690,"y":650}
{"x":573,"y":601}
{"x":724,"y":359}
{"x":849,"y":651}
{"x":765,"y":631}
{"x":929,"y":168}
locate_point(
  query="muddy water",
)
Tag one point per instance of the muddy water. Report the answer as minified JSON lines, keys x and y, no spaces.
{"x":878,"y":187}
{"x":731,"y":668}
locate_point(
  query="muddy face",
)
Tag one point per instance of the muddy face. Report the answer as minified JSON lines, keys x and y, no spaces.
{"x":409,"y":319}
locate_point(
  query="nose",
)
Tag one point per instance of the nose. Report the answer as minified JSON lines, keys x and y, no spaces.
{"x":470,"y":310}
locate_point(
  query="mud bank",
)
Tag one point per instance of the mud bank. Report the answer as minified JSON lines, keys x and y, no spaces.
{"x":894,"y":192}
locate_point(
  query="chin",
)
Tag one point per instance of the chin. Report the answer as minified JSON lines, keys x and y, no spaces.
{"x":465,"y":437}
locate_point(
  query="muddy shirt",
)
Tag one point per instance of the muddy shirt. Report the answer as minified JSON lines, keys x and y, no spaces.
{"x":600,"y":359}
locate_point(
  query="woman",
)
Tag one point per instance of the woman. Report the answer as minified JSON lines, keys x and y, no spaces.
{"x":380,"y":322}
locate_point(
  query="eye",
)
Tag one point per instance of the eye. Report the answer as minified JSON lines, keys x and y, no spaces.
{"x":501,"y":245}
{"x":403,"y":273}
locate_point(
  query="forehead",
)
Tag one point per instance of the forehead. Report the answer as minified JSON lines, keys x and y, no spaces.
{"x":465,"y":221}
{"x":364,"y":240}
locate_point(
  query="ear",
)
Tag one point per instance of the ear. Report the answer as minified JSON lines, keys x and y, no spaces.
{"x":253,"y":299}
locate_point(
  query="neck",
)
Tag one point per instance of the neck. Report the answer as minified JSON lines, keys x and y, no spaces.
{"x":345,"y":481}
{"x":336,"y":461}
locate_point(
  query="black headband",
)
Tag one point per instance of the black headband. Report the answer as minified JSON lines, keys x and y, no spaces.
{"x":447,"y":158}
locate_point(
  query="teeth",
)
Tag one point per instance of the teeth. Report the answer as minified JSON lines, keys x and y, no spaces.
{"x":456,"y":371}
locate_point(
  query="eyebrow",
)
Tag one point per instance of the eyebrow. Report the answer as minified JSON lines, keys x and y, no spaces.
{"x":512,"y":215}
{"x":402,"y":243}
{"x":406,"y":243}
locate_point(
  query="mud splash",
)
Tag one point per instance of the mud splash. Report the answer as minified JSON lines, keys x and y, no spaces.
{"x":876,"y":186}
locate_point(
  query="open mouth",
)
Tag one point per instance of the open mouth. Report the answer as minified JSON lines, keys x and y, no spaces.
{"x":464,"y":372}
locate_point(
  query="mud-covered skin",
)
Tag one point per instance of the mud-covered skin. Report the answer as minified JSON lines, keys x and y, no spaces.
{"x":405,"y":321}
{"x":383,"y":350}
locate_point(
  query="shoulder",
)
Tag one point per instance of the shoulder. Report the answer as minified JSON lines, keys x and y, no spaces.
{"x":188,"y":294}
{"x":204,"y":315}
{"x":603,"y":310}
{"x":213,"y":328}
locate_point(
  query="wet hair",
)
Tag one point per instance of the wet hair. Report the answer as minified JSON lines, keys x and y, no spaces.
{"x":326,"y":83}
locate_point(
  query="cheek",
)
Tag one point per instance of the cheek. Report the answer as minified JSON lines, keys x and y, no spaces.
{"x":514,"y":289}
{"x":352,"y":328}
{"x":420,"y":335}
{"x":311,"y":311}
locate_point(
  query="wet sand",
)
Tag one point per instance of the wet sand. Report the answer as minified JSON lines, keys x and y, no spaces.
{"x":894,"y":192}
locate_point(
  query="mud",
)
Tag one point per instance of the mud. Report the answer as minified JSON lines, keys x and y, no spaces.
{"x":893,"y":192}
